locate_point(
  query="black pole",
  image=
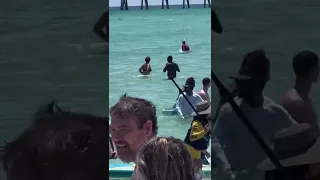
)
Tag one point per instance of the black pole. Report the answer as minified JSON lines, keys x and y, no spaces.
{"x":226,"y":94}
{"x":215,"y":22}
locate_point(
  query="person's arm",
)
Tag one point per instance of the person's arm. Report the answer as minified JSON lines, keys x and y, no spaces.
{"x":199,"y":98}
{"x":284,"y":119}
{"x":100,"y":24}
{"x":197,"y":131}
{"x":165,"y":68}
{"x":179,"y":104}
{"x":140,"y":69}
{"x":177,"y":68}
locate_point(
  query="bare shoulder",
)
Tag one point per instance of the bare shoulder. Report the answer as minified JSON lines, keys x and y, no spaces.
{"x":201,"y":92}
{"x":291,"y":99}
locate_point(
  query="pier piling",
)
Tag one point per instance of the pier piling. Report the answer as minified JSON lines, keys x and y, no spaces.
{"x":204,"y":3}
{"x":167,"y":4}
{"x":184,"y":3}
{"x":146,"y":3}
{"x":124,"y":4}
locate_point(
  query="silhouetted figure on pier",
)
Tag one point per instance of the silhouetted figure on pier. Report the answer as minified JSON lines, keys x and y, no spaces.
{"x":101,"y":28}
{"x":215,"y":23}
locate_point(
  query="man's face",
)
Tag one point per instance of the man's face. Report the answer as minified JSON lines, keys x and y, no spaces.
{"x":127,"y":137}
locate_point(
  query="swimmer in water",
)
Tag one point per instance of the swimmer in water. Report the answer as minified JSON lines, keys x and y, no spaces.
{"x":120,"y":19}
{"x":101,"y":28}
{"x":145,"y":69}
{"x":185,"y":46}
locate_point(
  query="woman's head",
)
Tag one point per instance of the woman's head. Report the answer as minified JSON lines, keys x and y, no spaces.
{"x":164,"y":158}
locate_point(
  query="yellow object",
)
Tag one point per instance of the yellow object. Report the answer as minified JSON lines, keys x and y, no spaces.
{"x":195,"y":154}
{"x":197,"y":131}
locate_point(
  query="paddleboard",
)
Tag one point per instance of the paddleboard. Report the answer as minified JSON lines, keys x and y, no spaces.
{"x":144,"y":76}
{"x":183,"y":52}
{"x":170,"y":111}
{"x":126,"y":170}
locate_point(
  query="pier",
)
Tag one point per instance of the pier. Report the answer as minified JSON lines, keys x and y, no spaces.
{"x":144,"y":3}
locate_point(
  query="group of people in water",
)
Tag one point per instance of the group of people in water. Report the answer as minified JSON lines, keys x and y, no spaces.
{"x":171,"y":67}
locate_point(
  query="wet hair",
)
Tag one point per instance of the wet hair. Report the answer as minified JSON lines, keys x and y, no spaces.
{"x":147,"y":59}
{"x":206,"y":81}
{"x":169,"y":59}
{"x":59,"y":145}
{"x":142,"y":109}
{"x":304,"y":62}
{"x":183,"y":42}
{"x":165,"y":158}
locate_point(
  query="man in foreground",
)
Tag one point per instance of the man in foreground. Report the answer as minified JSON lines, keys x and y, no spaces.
{"x":133,"y":123}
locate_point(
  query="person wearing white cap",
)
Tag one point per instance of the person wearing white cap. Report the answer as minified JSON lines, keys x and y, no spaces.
{"x":199,"y":133}
{"x":298,"y":151}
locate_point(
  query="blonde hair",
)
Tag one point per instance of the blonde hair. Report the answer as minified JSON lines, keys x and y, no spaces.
{"x":164,"y":158}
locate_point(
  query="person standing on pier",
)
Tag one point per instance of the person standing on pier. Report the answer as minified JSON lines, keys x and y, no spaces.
{"x":101,"y":27}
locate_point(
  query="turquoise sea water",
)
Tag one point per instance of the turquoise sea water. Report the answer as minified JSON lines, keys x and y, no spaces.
{"x":158,"y":33}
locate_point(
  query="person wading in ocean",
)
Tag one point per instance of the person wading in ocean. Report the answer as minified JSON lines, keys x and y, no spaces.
{"x":206,"y":82}
{"x":145,"y":68}
{"x":296,"y":101}
{"x":133,"y":123}
{"x":233,"y":147}
{"x":101,"y":27}
{"x":183,"y":107}
{"x":171,"y":68}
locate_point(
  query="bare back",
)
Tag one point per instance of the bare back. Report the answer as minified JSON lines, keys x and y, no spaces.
{"x":145,"y":69}
{"x":301,"y":109}
{"x":204,"y":95}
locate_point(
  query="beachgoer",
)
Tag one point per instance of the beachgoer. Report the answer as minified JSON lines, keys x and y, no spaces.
{"x":59,"y":145}
{"x":101,"y":28}
{"x":164,"y":158}
{"x":206,"y":82}
{"x":171,"y":68}
{"x":185,"y":46}
{"x":297,"y":101}
{"x":133,"y":123}
{"x":183,"y":107}
{"x":198,"y":135}
{"x":215,"y":23}
{"x":145,"y":69}
{"x":234,"y":148}
{"x":297,"y":149}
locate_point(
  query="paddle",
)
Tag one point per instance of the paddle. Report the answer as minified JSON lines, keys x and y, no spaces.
{"x":227,"y":95}
{"x":215,"y":23}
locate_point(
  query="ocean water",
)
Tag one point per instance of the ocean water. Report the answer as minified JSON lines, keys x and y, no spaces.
{"x":158,"y":33}
{"x":281,"y":28}
{"x":48,"y":50}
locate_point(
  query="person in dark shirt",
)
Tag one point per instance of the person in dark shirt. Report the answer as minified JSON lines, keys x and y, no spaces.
{"x":171,"y":68}
{"x":101,"y":28}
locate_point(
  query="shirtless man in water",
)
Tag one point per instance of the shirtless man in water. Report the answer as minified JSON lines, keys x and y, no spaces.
{"x":101,"y":28}
{"x":296,"y":101}
{"x":145,"y":69}
{"x":206,"y":82}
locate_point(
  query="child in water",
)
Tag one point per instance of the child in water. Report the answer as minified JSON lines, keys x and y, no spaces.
{"x":145,"y":69}
{"x":185,"y":46}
